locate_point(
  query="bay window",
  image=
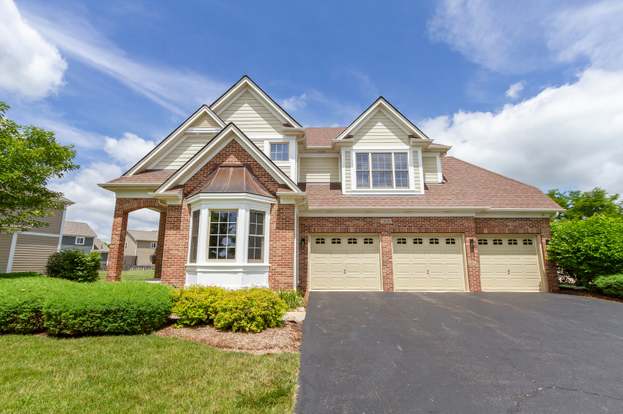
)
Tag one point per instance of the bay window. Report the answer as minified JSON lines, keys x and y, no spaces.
{"x":256,"y":236}
{"x":382,"y":170}
{"x":222,"y":237}
{"x":194,"y":236}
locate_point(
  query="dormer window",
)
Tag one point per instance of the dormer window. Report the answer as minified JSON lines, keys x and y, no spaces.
{"x":279,"y":151}
{"x":382,"y":170}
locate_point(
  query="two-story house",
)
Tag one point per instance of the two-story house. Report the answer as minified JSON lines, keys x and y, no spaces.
{"x":78,"y":235}
{"x":140,"y":248}
{"x":249,"y":197}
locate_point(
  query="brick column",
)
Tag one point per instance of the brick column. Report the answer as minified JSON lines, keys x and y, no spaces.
{"x":473,"y":262}
{"x":175,"y":246}
{"x":551,"y":271}
{"x":160,"y":242}
{"x":117,"y":242}
{"x":281,"y":273}
{"x":387,"y":265}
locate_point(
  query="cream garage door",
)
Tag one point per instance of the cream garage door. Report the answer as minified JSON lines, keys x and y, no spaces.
{"x":509,"y":264}
{"x":431,"y":262}
{"x":344,"y":262}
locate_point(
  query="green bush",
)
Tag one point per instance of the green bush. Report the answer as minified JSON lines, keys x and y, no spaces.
{"x":195,"y":305}
{"x":610,"y":285}
{"x":292,"y":298}
{"x":66,"y":308}
{"x":587,"y":248}
{"x":19,"y":274}
{"x":21,"y":302}
{"x":249,"y":310}
{"x":74,"y":265}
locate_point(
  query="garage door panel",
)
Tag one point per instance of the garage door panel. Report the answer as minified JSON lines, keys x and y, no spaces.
{"x":344,"y":262}
{"x":421,"y":265}
{"x":509,"y":263}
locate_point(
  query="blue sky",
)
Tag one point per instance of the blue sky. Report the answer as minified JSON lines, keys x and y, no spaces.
{"x":531,"y":90}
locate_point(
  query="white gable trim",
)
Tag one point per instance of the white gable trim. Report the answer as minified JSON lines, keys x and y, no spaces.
{"x":213,"y":147}
{"x":381,"y":102}
{"x":230,"y":96}
{"x":173,"y":137}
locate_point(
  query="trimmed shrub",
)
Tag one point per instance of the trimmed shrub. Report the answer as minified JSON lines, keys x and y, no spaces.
{"x":587,"y":248}
{"x":249,"y":310}
{"x":74,"y":265}
{"x":196,"y":305}
{"x":19,"y":274}
{"x":22,"y":299}
{"x":65,"y":308}
{"x":292,"y":298}
{"x":610,"y":285}
{"x":108,"y":309}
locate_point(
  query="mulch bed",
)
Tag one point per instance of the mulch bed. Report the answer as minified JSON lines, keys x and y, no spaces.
{"x":589,"y":294}
{"x":270,"y":341}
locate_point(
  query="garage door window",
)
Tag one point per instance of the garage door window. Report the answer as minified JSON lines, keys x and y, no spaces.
{"x":451,"y":241}
{"x":527,"y":242}
{"x":512,"y":242}
{"x":433,"y":241}
{"x":368,"y":241}
{"x":483,"y":242}
{"x":352,"y":240}
{"x":336,"y":240}
{"x":418,"y":240}
{"x":319,"y":240}
{"x":497,"y":242}
{"x":401,"y":241}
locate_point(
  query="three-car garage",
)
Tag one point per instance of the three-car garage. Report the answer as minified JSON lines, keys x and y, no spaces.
{"x":423,"y":262}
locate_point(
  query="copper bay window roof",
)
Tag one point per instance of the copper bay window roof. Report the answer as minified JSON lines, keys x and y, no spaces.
{"x":233,"y":178}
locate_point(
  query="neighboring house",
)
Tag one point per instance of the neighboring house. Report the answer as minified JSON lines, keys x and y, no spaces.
{"x":102,"y":248}
{"x":28,"y":251}
{"x":249,"y":197}
{"x":140,"y":248}
{"x":78,"y":235}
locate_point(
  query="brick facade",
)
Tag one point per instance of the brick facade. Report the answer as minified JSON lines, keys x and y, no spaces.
{"x":469,"y":227}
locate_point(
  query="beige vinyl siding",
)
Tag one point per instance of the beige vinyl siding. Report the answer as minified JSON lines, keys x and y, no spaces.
{"x":417,"y":171}
{"x":319,"y":170}
{"x":204,"y":121}
{"x":144,"y":252}
{"x":346,"y":169}
{"x":188,"y":146}
{"x":5,"y":247}
{"x":53,"y":222}
{"x":431,"y":170}
{"x":380,"y":129}
{"x":251,"y":115}
{"x":32,"y":252}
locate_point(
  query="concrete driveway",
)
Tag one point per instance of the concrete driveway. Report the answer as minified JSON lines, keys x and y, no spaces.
{"x":461,"y":353}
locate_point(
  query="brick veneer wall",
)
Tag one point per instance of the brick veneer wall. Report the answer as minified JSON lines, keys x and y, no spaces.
{"x":469,"y":227}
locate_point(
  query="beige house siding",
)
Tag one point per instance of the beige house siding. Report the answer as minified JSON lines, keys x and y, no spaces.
{"x":144,"y":253}
{"x":380,"y":130}
{"x":431,"y":169}
{"x":346,"y":158}
{"x":5,"y":248}
{"x":188,"y":146}
{"x":130,"y":246}
{"x":417,"y":171}
{"x":32,"y":252}
{"x":54,"y":223}
{"x":319,"y":170}
{"x":251,"y":116}
{"x":204,"y":121}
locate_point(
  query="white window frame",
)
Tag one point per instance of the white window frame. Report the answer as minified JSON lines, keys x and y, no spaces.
{"x":80,"y":240}
{"x":152,"y":245}
{"x":270,"y":150}
{"x":371,"y":188}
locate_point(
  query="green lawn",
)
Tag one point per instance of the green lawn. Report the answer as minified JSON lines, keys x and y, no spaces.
{"x":131,"y":275}
{"x":140,"y":374}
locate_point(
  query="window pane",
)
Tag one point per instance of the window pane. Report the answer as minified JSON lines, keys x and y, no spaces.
{"x":402,"y":179}
{"x":382,"y":161}
{"x":363,"y":179}
{"x":279,"y":151}
{"x":400,"y":161}
{"x":382,"y":179}
{"x":382,"y":170}
{"x":362,"y":173}
{"x":362,"y":162}
{"x":256,"y":235}
{"x":222,"y":236}
{"x":194,"y":236}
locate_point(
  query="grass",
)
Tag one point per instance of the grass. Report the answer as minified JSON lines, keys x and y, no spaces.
{"x":131,"y":275}
{"x":140,"y":374}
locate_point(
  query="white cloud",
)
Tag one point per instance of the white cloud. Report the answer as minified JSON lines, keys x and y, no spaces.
{"x":567,"y":136}
{"x":29,"y":65}
{"x":128,"y":149}
{"x":171,"y":88}
{"x":515,"y":89}
{"x":95,"y":205}
{"x":295,"y":103}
